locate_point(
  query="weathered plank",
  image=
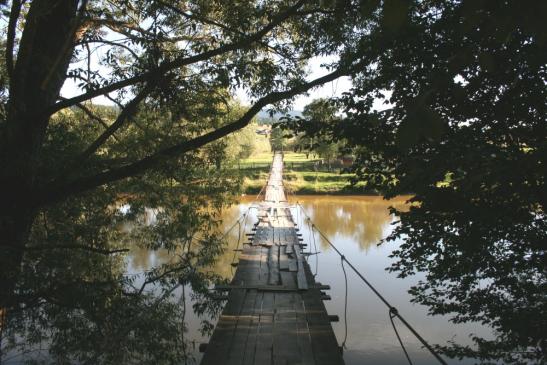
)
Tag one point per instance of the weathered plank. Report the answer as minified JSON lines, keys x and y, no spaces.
{"x":264,"y":341}
{"x":243,"y":329}
{"x":301,"y":275}
{"x":285,"y":346}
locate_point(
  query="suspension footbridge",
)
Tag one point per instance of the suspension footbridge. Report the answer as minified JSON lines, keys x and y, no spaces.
{"x":275,"y":312}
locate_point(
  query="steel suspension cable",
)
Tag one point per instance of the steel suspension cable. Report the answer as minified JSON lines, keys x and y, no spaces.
{"x":391,"y":308}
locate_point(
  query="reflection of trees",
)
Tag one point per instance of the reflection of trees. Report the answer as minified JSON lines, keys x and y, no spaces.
{"x":363,"y":218}
{"x":75,"y":302}
{"x":142,"y":259}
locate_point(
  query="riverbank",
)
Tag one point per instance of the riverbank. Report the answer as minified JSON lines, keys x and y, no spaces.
{"x":303,"y":174}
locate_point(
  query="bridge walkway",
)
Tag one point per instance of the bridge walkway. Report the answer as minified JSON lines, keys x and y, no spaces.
{"x":275,"y":312}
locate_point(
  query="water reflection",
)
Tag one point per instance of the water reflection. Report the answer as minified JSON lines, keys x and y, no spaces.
{"x":356,"y":224}
{"x":141,"y":259}
{"x":364,"y":219}
{"x":99,"y":312}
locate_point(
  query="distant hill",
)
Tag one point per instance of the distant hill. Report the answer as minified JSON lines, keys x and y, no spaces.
{"x":265,"y":118}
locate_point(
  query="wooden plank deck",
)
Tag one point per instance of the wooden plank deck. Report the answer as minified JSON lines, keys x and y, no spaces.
{"x":275,"y":312}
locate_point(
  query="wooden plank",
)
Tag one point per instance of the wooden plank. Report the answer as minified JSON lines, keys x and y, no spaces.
{"x":254,"y":326}
{"x":264,"y":341}
{"x":273,"y":265}
{"x":283,"y":260}
{"x":293,"y":265}
{"x":242,"y":330}
{"x":324,"y":344}
{"x":220,"y":343}
{"x":274,"y":313}
{"x":289,"y":249}
{"x":264,"y":267}
{"x":285,"y":347}
{"x":287,"y":280}
{"x":303,"y":334}
{"x":301,"y":279}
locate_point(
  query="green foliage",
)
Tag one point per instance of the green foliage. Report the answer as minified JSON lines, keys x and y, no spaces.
{"x":66,"y":165}
{"x":75,"y":293}
{"x":277,"y":139}
{"x":319,"y":113}
{"x":74,"y":286}
{"x":467,"y":97}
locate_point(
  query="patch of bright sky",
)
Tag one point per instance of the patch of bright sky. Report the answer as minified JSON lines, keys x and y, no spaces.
{"x":70,"y":87}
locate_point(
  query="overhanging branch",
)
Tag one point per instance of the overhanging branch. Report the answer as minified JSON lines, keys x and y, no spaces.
{"x":75,"y":247}
{"x":53,"y":192}
{"x":90,"y":114}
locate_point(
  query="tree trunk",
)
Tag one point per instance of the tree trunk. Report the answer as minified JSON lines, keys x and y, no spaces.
{"x":44,"y":53}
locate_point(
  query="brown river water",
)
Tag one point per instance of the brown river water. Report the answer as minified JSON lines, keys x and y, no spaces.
{"x":355,"y":224}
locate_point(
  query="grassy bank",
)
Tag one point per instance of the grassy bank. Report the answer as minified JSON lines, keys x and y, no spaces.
{"x":303,"y":175}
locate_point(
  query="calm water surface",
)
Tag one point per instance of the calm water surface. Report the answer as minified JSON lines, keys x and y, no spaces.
{"x":355,"y":224}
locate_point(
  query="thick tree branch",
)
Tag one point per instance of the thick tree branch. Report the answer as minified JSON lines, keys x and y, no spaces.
{"x":10,"y":41}
{"x":118,"y":104}
{"x":179,"y":62}
{"x":67,"y":47}
{"x":125,"y":28}
{"x":55,"y":193}
{"x":217,"y":24}
{"x":76,"y":247}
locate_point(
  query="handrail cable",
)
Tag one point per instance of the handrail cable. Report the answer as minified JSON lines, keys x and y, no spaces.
{"x":393,"y":311}
{"x":237,"y":246}
{"x":260,"y":192}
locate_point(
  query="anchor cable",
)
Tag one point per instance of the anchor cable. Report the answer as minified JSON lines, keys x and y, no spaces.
{"x":392,"y":309}
{"x":315,"y":248}
{"x":345,"y":303}
{"x":237,"y":246}
{"x":392,"y":315}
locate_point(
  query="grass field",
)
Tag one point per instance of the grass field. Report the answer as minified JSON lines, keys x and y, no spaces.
{"x":303,"y":175}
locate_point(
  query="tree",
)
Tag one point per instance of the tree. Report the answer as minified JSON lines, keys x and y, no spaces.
{"x":174,"y":58}
{"x":322,"y":112}
{"x":465,"y":132}
{"x":276,"y":139}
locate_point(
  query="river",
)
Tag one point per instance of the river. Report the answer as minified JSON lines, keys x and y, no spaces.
{"x":355,"y":224}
